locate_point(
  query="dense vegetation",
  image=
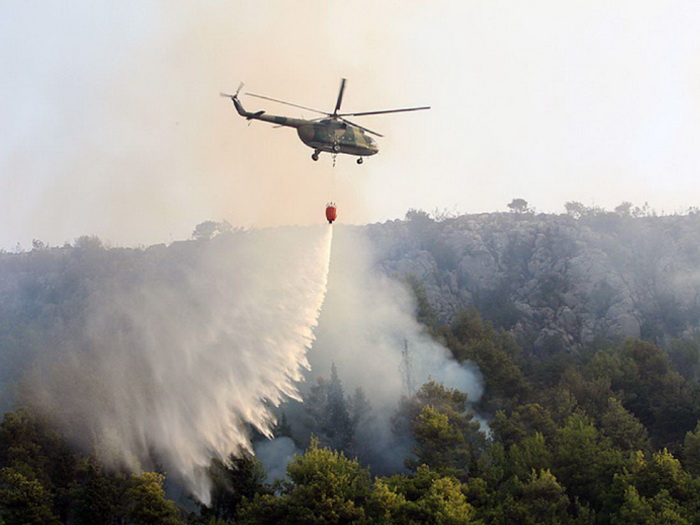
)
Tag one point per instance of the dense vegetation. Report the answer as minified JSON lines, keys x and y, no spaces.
{"x":581,"y":430}
{"x":608,"y":436}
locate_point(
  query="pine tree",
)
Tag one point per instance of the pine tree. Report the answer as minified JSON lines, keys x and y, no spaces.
{"x":329,"y":411}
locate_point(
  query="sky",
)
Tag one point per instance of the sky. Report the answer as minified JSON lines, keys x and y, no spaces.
{"x":112,"y":125}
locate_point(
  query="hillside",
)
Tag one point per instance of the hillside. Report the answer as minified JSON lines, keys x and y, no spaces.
{"x":555,"y":281}
{"x":130,"y":360}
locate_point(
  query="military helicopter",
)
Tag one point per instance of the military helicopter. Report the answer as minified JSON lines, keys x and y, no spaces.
{"x":332,"y":133}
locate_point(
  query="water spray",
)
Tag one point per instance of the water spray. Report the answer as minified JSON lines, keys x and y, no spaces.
{"x":176,"y":366}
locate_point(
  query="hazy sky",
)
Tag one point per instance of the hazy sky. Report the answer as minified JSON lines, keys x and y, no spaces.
{"x":111,"y":123}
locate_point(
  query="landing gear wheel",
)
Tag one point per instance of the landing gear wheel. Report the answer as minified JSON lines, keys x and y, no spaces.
{"x":360,"y":160}
{"x":336,"y":148}
{"x":314,"y":156}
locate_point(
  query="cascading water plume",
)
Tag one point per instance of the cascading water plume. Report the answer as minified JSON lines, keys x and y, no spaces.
{"x":182,"y":353}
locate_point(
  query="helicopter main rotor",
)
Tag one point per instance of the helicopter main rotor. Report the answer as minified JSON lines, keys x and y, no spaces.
{"x":340,"y":97}
{"x":341,"y":116}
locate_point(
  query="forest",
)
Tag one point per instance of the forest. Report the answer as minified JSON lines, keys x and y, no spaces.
{"x":610,"y":436}
{"x":597,"y":430}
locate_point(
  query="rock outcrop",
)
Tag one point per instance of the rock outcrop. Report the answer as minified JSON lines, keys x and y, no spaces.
{"x":552,"y":280}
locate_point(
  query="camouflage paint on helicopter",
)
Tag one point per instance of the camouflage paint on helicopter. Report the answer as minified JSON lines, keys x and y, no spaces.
{"x":337,"y":137}
{"x":334,"y":135}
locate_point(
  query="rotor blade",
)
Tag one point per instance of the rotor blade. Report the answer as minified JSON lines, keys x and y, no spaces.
{"x":361,"y":127}
{"x":288,"y":103}
{"x":382,"y":111}
{"x":240,"y":86}
{"x":340,"y":96}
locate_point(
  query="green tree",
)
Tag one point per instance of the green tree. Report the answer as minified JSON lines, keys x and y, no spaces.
{"x":424,"y":497}
{"x":640,"y":374}
{"x":540,"y":499}
{"x":331,"y":421}
{"x":585,"y":461}
{"x":210,"y":229}
{"x":524,"y":420}
{"x":361,"y":418}
{"x":655,"y":490}
{"x":469,"y":337}
{"x":635,"y":510}
{"x":446,"y":436}
{"x":560,"y":404}
{"x":21,"y":445}
{"x":659,"y":510}
{"x":385,"y":506}
{"x":519,"y":206}
{"x":324,"y":487}
{"x":445,"y":503}
{"x":24,"y":500}
{"x":691,"y":451}
{"x":30,"y":447}
{"x":544,"y":498}
{"x":439,"y":443}
{"x":242,"y":476}
{"x":624,"y":209}
{"x":685,"y":356}
{"x":625,"y":430}
{"x":575,"y":209}
{"x":591,"y":393}
{"x":149,"y":506}
{"x":97,"y":496}
{"x":661,"y":472}
{"x":531,"y":453}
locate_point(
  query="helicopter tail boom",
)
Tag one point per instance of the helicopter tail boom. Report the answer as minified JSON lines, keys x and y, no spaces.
{"x":239,"y":107}
{"x":261,"y":115}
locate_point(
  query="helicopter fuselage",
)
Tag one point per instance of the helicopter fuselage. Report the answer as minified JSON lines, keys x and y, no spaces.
{"x":330,"y":135}
{"x":337,"y":137}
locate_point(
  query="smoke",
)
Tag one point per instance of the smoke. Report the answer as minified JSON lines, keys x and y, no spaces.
{"x":178,"y":352}
{"x":275,"y":455}
{"x":138,"y":142}
{"x":182,"y":354}
{"x":368,"y":319}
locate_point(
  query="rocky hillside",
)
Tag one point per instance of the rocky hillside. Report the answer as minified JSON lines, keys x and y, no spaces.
{"x":555,"y":281}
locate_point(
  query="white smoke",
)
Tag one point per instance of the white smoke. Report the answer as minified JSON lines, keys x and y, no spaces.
{"x":275,"y":455}
{"x":178,"y":361}
{"x":368,"y":319}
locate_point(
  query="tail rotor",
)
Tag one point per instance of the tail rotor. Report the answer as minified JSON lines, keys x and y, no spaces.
{"x":240,"y":86}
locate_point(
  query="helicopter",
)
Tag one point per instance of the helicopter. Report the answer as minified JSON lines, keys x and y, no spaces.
{"x":332,"y":133}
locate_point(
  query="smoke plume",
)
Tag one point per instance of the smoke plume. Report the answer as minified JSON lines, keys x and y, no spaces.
{"x":367,"y":322}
